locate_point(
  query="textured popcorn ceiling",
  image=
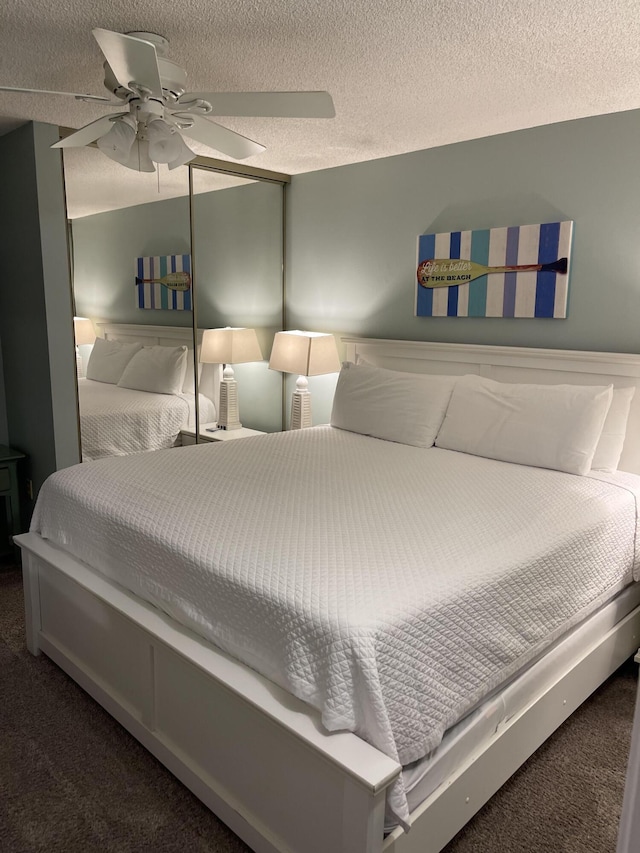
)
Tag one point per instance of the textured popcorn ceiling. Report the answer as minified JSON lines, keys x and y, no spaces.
{"x":404,"y":74}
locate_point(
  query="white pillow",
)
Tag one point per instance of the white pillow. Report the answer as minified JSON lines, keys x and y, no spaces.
{"x":159,"y":370}
{"x":609,"y":449}
{"x":547,"y":426}
{"x":108,"y":359}
{"x":403,"y":407}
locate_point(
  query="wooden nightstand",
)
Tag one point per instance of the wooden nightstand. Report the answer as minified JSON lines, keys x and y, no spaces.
{"x":189,"y":434}
{"x":9,"y":488}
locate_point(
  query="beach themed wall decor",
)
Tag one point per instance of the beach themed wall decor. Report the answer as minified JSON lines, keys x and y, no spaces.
{"x":164,"y":281}
{"x":517,"y":271}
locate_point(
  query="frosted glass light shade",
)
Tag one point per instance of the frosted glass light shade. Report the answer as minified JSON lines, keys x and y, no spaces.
{"x":139,"y":147}
{"x":116,"y":144}
{"x":165,"y":143}
{"x":83,"y":331}
{"x":230,"y":346}
{"x":184,"y":155}
{"x":139,"y":159}
{"x":304,"y":353}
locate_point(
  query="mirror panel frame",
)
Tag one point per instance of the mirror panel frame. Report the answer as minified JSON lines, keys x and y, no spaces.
{"x":239,"y":170}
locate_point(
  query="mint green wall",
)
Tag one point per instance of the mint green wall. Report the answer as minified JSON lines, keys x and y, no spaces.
{"x":353,"y":231}
{"x":239,"y":257}
{"x":105,"y":247}
{"x":36,"y":325}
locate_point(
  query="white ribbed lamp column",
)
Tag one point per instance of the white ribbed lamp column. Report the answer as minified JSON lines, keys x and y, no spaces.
{"x":229,"y":346}
{"x":307,"y":354}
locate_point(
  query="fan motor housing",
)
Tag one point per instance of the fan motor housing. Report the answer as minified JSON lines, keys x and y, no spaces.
{"x":173,"y":78}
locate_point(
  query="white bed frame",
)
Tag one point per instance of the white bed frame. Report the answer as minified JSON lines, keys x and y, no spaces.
{"x":255,"y":755}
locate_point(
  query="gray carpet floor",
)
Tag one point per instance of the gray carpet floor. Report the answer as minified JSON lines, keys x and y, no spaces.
{"x":72,"y":780}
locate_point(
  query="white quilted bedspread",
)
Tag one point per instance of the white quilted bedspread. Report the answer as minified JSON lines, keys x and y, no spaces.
{"x":389,"y":586}
{"x":117,"y":421}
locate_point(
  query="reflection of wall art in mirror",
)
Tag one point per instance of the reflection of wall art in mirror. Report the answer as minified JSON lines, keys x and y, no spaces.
{"x":164,"y":281}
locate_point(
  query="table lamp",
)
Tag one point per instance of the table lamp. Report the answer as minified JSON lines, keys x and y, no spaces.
{"x":307,"y":354}
{"x":229,"y":346}
{"x":83,"y":334}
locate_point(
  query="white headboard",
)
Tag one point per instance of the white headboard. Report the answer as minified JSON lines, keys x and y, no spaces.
{"x":167,"y":336}
{"x":514,"y":364}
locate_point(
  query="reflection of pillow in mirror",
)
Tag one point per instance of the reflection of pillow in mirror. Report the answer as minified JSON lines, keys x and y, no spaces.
{"x":108,"y":360}
{"x":159,"y":370}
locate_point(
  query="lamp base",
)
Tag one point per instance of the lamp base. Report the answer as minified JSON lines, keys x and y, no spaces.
{"x":301,"y":405}
{"x":229,"y":416}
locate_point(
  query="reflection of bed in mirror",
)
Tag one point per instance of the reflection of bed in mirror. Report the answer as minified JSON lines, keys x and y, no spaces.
{"x":136,"y":397}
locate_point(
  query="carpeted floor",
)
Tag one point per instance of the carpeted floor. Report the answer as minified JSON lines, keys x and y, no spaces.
{"x":73,"y":781}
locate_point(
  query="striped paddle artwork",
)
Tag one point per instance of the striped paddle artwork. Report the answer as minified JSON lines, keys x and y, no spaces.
{"x":445,"y":272}
{"x":174,"y":280}
{"x":518,"y":271}
{"x":164,"y":282}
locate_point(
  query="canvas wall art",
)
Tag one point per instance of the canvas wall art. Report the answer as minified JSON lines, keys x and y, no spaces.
{"x":517,"y":271}
{"x":164,"y":282}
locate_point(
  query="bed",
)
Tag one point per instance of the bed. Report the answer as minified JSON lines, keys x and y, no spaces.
{"x":117,"y":420}
{"x":246,"y":705}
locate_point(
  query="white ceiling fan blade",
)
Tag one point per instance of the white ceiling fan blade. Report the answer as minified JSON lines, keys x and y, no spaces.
{"x":221,"y":139}
{"x":271,"y":104}
{"x":89,"y":133}
{"x":48,"y":92}
{"x":132,"y":60}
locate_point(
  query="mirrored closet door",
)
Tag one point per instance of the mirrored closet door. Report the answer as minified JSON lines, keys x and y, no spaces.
{"x":119,"y":232}
{"x":223,"y":233}
{"x":238,"y":248}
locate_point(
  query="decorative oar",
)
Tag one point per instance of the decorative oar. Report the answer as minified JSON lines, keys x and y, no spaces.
{"x":173,"y":280}
{"x":445,"y":272}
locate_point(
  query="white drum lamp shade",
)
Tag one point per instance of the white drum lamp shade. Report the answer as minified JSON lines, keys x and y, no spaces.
{"x":83,"y":334}
{"x":83,"y":331}
{"x":305,"y":354}
{"x":229,"y":346}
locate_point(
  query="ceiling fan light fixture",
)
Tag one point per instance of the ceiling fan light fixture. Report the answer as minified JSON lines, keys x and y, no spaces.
{"x":117,"y":142}
{"x":165,"y":143}
{"x":185,"y":155}
{"x":139,"y":159}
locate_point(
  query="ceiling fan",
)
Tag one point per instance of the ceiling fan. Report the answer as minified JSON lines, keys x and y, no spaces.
{"x":159,"y":110}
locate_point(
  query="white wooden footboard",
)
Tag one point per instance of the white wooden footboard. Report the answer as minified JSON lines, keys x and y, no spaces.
{"x":254,"y":754}
{"x":251,"y":752}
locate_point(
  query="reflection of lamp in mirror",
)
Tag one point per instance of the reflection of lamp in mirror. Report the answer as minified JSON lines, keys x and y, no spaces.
{"x":307,"y":354}
{"x":84,"y":334}
{"x":229,"y":346}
